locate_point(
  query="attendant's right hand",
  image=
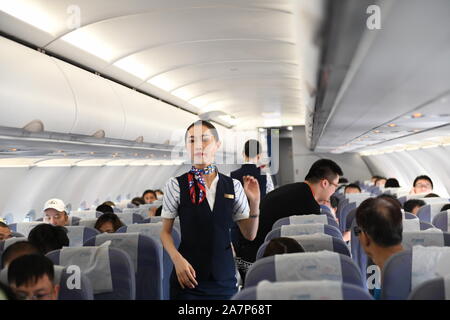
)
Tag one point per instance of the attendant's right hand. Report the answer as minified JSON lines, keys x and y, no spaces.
{"x":185,"y":273}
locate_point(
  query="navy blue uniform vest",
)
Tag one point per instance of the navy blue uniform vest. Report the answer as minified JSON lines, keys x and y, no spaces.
{"x":205,"y":235}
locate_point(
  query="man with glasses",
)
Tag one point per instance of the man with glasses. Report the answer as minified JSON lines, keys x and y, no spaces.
{"x":31,"y":278}
{"x":55,"y":213}
{"x":297,"y":198}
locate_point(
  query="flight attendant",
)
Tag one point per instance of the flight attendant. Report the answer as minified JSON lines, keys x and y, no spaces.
{"x":207,"y":203}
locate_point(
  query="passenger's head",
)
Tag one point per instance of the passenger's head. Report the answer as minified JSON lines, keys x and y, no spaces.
{"x":159,"y":194}
{"x":108,"y":222}
{"x":17,"y":250}
{"x":137,"y":201}
{"x":352,"y":188}
{"x":413,"y":205}
{"x":5,"y":232}
{"x":282,"y":245}
{"x":422,"y":184}
{"x":252,"y":150}
{"x":31,"y":278}
{"x":323,"y":177}
{"x":432,"y":195}
{"x":343,"y":180}
{"x":149,"y":196}
{"x":375,"y":178}
{"x":55,"y":213}
{"x":104,"y":208}
{"x":380,"y":182}
{"x":109,"y":203}
{"x":445,"y":207}
{"x":392,"y":183}
{"x":202,"y":142}
{"x":379,"y":225}
{"x":47,"y":237}
{"x":334,"y":202}
{"x":391,"y":197}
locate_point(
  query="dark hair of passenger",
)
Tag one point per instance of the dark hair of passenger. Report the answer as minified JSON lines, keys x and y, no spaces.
{"x":376,"y":177}
{"x":323,"y":169}
{"x":432,"y":195}
{"x":409,"y":205}
{"x":29,"y":269}
{"x":352,"y":185}
{"x":392,"y":183}
{"x":3,"y":225}
{"x":334,"y":201}
{"x":343,"y":180}
{"x":282,"y":245}
{"x":391,"y":197}
{"x":381,"y":218}
{"x":109,"y":203}
{"x":252,"y":148}
{"x":7,"y":292}
{"x":445,"y":207}
{"x":149,"y":191}
{"x":159,"y":190}
{"x":207,"y":124}
{"x":104,"y":208}
{"x":18,"y":249}
{"x":47,"y":237}
{"x":423,"y":177}
{"x":158,"y":211}
{"x":109,"y":217}
{"x":137,"y":201}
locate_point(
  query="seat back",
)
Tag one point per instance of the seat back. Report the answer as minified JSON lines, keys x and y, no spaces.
{"x":442,"y":220}
{"x":303,"y":290}
{"x":79,"y":234}
{"x":323,"y":265}
{"x":153,"y":231}
{"x":86,"y":214}
{"x":305,"y":219}
{"x":313,"y":243}
{"x":301,"y":229}
{"x":429,"y":211}
{"x":434,"y":289}
{"x":146,"y":255}
{"x":89,"y":223}
{"x":404,"y":271}
{"x":110,"y":270}
{"x":129,"y":218}
{"x":427,"y":238}
{"x":23,"y":228}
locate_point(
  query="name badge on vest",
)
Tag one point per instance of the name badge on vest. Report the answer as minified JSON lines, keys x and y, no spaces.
{"x":229,"y":196}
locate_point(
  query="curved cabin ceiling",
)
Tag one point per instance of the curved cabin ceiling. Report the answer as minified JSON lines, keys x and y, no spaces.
{"x":245,"y":58}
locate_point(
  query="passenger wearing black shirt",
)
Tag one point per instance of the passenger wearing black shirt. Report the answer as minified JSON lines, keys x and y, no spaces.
{"x":297,"y":198}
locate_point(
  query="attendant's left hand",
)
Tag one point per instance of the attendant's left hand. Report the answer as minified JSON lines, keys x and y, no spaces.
{"x":251,"y":188}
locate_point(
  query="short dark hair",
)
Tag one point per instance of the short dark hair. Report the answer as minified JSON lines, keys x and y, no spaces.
{"x":104,"y":208}
{"x":323,"y":169}
{"x":18,"y":248}
{"x":47,"y":237}
{"x":376,"y":177}
{"x":409,"y":205}
{"x":252,"y":148}
{"x":149,"y":191}
{"x":334,"y":201}
{"x":445,"y":207}
{"x":391,"y":197}
{"x":109,"y":217}
{"x":109,"y":203}
{"x":381,"y":218}
{"x":29,"y":268}
{"x":343,"y":180}
{"x":432,"y":195}
{"x":137,"y":201}
{"x":3,"y":225}
{"x":205,"y":123}
{"x":423,"y":177}
{"x":282,"y":245}
{"x":352,"y":185}
{"x":392,"y":183}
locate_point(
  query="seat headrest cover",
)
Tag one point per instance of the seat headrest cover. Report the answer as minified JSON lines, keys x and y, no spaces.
{"x":300,"y":229}
{"x":411,"y":225}
{"x":152,"y":230}
{"x":323,"y":265}
{"x":4,"y":276}
{"x":315,"y":242}
{"x":128,"y":242}
{"x":58,"y":272}
{"x":299,"y":290}
{"x":429,"y":263}
{"x":75,"y":235}
{"x":85,"y":215}
{"x":94,"y":262}
{"x":11,"y":241}
{"x":309,"y":218}
{"x":90,"y":223}
{"x":25,"y":227}
{"x":447,"y":287}
{"x":427,"y":238}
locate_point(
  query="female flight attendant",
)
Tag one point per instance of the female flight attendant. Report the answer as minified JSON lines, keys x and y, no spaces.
{"x":207,"y":203}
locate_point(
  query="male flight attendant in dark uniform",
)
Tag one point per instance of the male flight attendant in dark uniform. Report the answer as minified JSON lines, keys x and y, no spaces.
{"x":207,"y":203}
{"x":252,"y":156}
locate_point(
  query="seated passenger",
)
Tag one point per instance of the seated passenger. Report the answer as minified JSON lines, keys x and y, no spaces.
{"x":380,"y":182}
{"x":413,"y":205}
{"x":5,"y":232}
{"x":149,"y":196}
{"x":282,"y":245}
{"x":159,"y":194}
{"x":445,"y":207}
{"x":137,"y":201}
{"x":104,"y":208}
{"x":422,"y":184}
{"x":108,"y":222}
{"x":55,"y":213}
{"x":17,"y":250}
{"x":31,"y":278}
{"x":432,"y":195}
{"x":374,"y":179}
{"x":352,"y":188}
{"x":47,"y":237}
{"x":392,"y":183}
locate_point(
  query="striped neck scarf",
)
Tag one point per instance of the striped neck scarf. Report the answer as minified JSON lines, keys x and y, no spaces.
{"x":195,"y":176}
